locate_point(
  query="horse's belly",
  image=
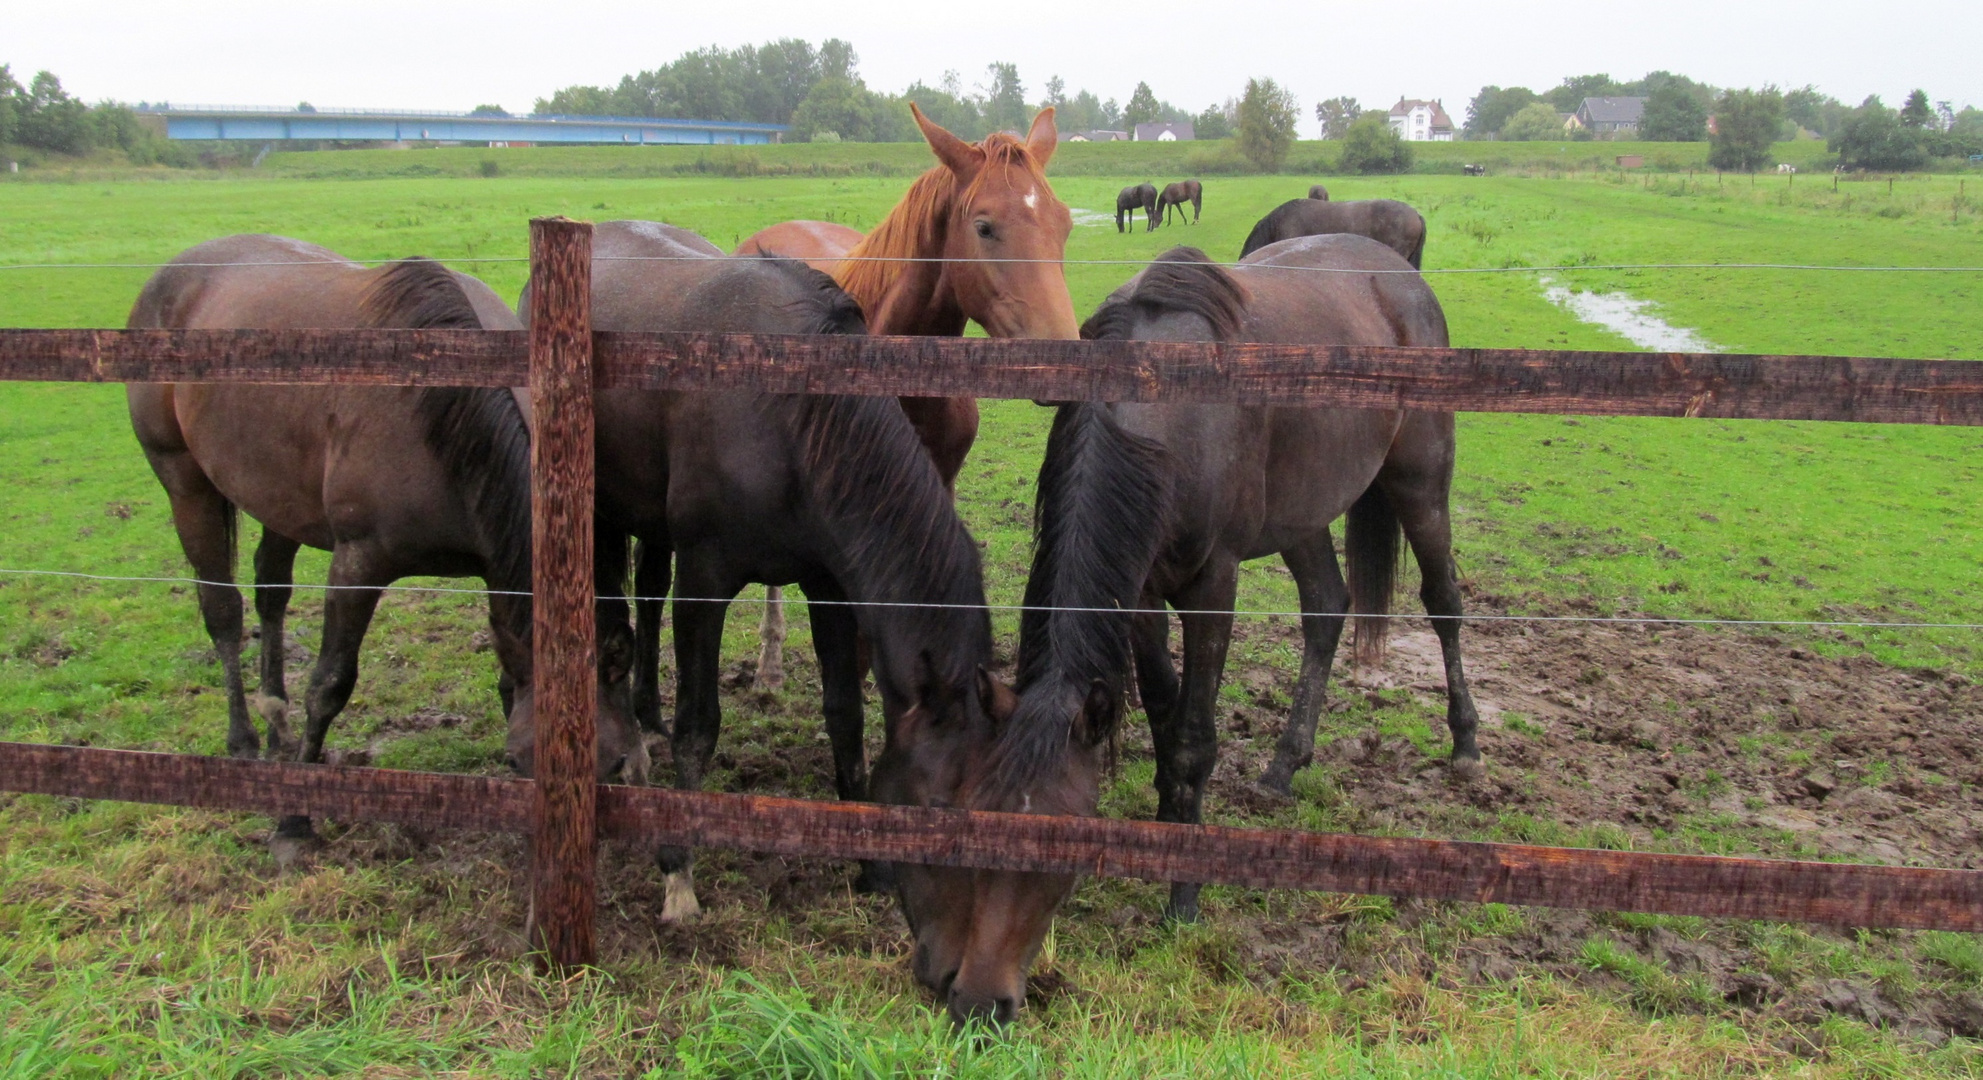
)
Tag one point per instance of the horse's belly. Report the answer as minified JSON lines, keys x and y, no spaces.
{"x":263,"y":448}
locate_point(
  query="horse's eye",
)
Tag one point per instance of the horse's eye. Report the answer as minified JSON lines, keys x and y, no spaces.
{"x":985,"y":230}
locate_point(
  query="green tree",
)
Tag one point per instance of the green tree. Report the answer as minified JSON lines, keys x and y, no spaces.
{"x":1672,"y":115}
{"x":575,"y":101}
{"x":10,"y":92}
{"x":52,"y":120}
{"x":1574,"y":89}
{"x":1372,"y":146}
{"x":1005,"y":99}
{"x":1056,"y":98}
{"x":845,"y":107}
{"x":1081,"y":112}
{"x":488,"y":110}
{"x":1490,"y":109}
{"x":1537,"y":121}
{"x":1746,"y":126}
{"x":1873,"y":136}
{"x":1265,"y":123}
{"x":1336,"y":115}
{"x":1814,"y":111}
{"x":946,"y":105}
{"x":1142,"y":107}
{"x":1915,"y":112}
{"x":1217,"y":121}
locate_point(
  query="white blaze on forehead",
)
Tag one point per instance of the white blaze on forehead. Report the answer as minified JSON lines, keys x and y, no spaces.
{"x":1033,"y":199}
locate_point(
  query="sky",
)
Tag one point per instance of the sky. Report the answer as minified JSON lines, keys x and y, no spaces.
{"x":452,"y":55}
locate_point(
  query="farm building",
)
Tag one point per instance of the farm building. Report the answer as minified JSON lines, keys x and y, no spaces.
{"x":276,"y":124}
{"x":1610,"y":115}
{"x":1094,"y":135}
{"x":1166,"y":132}
{"x":1421,"y":121}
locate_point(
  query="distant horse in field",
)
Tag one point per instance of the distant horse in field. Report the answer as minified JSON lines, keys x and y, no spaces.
{"x":819,"y":244}
{"x":979,"y":238}
{"x":1131,"y":199}
{"x":835,"y":494}
{"x":1177,"y":195}
{"x":1318,"y":192}
{"x":1143,"y":505}
{"x":392,"y":481}
{"x":1387,"y":221}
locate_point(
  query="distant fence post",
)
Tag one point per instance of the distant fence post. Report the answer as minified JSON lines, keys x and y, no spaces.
{"x":564,"y":638}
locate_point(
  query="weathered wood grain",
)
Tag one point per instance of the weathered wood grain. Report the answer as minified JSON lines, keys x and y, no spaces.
{"x":564,"y":639}
{"x":1866,"y":389}
{"x":1839,"y":894}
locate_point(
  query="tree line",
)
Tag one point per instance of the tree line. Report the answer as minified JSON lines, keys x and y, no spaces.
{"x":43,"y":116}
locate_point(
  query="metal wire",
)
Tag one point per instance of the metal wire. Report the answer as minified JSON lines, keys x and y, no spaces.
{"x":1662,"y":620}
{"x":1066,"y":262}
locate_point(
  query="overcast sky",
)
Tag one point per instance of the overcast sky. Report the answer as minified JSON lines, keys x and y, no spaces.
{"x":450,"y":55}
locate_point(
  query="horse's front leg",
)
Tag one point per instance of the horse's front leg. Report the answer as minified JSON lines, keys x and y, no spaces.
{"x":836,"y":639}
{"x":653,"y":566}
{"x":356,"y":581}
{"x":1187,"y":747}
{"x":700,"y":605}
{"x":275,"y":570}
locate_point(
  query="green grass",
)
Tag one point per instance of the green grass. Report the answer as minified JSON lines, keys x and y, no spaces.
{"x":166,"y":942}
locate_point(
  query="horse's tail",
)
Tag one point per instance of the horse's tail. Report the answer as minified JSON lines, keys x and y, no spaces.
{"x":1372,"y":543}
{"x":1418,"y":245}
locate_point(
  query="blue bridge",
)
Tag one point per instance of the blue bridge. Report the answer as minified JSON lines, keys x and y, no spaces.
{"x":267,"y":124}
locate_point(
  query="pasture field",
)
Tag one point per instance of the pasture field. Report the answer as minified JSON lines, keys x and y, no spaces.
{"x":168,"y":942}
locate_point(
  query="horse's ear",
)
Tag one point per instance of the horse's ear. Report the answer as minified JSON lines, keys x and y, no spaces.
{"x":1043,"y":138}
{"x":997,"y":698}
{"x":957,"y":155}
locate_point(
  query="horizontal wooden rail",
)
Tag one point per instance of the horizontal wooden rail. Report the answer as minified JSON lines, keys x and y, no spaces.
{"x":1866,"y":389}
{"x":1833,"y":893}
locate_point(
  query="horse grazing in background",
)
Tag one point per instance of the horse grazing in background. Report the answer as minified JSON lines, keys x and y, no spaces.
{"x":1143,"y":505}
{"x":392,"y":481}
{"x":819,"y":244}
{"x":1318,"y":192}
{"x":1131,"y":199}
{"x":1177,"y":195}
{"x":835,"y":494}
{"x":1387,"y":221}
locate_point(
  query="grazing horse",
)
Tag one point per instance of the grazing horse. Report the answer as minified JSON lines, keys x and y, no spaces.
{"x":1387,"y":221}
{"x":392,"y":481}
{"x":819,"y":244}
{"x":835,"y":494}
{"x":1177,"y":195}
{"x":1131,"y":199}
{"x":1318,"y":192}
{"x":1143,"y":505}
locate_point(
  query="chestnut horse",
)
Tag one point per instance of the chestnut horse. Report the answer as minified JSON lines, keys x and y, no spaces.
{"x":1143,"y":505}
{"x":978,"y":238}
{"x":393,"y":481}
{"x":1176,"y":195}
{"x":819,"y":244}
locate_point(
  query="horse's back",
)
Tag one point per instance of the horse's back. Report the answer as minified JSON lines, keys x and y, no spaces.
{"x":819,"y":244}
{"x":1306,"y":290}
{"x":250,"y":281}
{"x":1388,"y":221}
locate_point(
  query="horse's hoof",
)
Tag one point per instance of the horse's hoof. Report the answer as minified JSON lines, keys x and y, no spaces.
{"x":678,"y":902}
{"x":1468,"y":769}
{"x":875,"y":879}
{"x":291,"y":851}
{"x":274,"y":712}
{"x":1277,"y":782}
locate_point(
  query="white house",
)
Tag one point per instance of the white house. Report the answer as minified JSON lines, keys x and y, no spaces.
{"x":1178,"y":132}
{"x":1421,"y":121}
{"x":1095,"y":135}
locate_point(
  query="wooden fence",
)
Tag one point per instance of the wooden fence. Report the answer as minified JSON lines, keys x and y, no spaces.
{"x":563,"y":360}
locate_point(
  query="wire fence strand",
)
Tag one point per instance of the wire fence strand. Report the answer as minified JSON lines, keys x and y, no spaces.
{"x":1662,"y":620}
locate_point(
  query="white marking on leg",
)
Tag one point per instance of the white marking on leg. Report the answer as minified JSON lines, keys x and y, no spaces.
{"x":678,"y":902}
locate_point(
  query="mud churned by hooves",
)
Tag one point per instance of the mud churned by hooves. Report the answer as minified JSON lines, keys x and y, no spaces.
{"x":679,"y":903}
{"x":1468,"y":770}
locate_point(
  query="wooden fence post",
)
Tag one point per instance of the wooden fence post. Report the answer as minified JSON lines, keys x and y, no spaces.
{"x":564,"y":639}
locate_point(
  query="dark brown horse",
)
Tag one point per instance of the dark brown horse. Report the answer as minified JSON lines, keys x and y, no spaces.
{"x":392,"y":481}
{"x":1140,"y":506}
{"x":834,"y":494}
{"x":1176,"y":195}
{"x":1131,"y":199}
{"x":1387,"y":221}
{"x":1318,"y":192}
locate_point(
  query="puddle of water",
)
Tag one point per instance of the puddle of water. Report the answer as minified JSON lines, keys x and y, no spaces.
{"x":1090,"y":217}
{"x":1632,"y":319}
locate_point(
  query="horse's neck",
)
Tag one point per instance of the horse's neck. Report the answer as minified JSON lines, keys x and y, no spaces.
{"x":906,"y":297}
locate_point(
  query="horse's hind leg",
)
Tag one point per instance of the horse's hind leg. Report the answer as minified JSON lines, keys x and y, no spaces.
{"x":206,"y":523}
{"x":1324,"y":601}
{"x":348,"y":607}
{"x":1417,"y":478}
{"x":652,"y":570}
{"x":771,"y":642}
{"x":1187,"y":740}
{"x":275,"y":570}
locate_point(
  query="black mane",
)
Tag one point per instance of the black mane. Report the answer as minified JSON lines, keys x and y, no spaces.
{"x":825,"y":307}
{"x":1183,"y":279}
{"x":477,"y":432}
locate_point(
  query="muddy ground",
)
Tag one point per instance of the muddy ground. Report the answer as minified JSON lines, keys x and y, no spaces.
{"x":1670,"y":738}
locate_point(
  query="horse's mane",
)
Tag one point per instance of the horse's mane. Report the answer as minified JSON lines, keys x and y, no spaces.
{"x":824,"y":307}
{"x":910,"y":230}
{"x":1183,"y":279}
{"x":476,"y":432}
